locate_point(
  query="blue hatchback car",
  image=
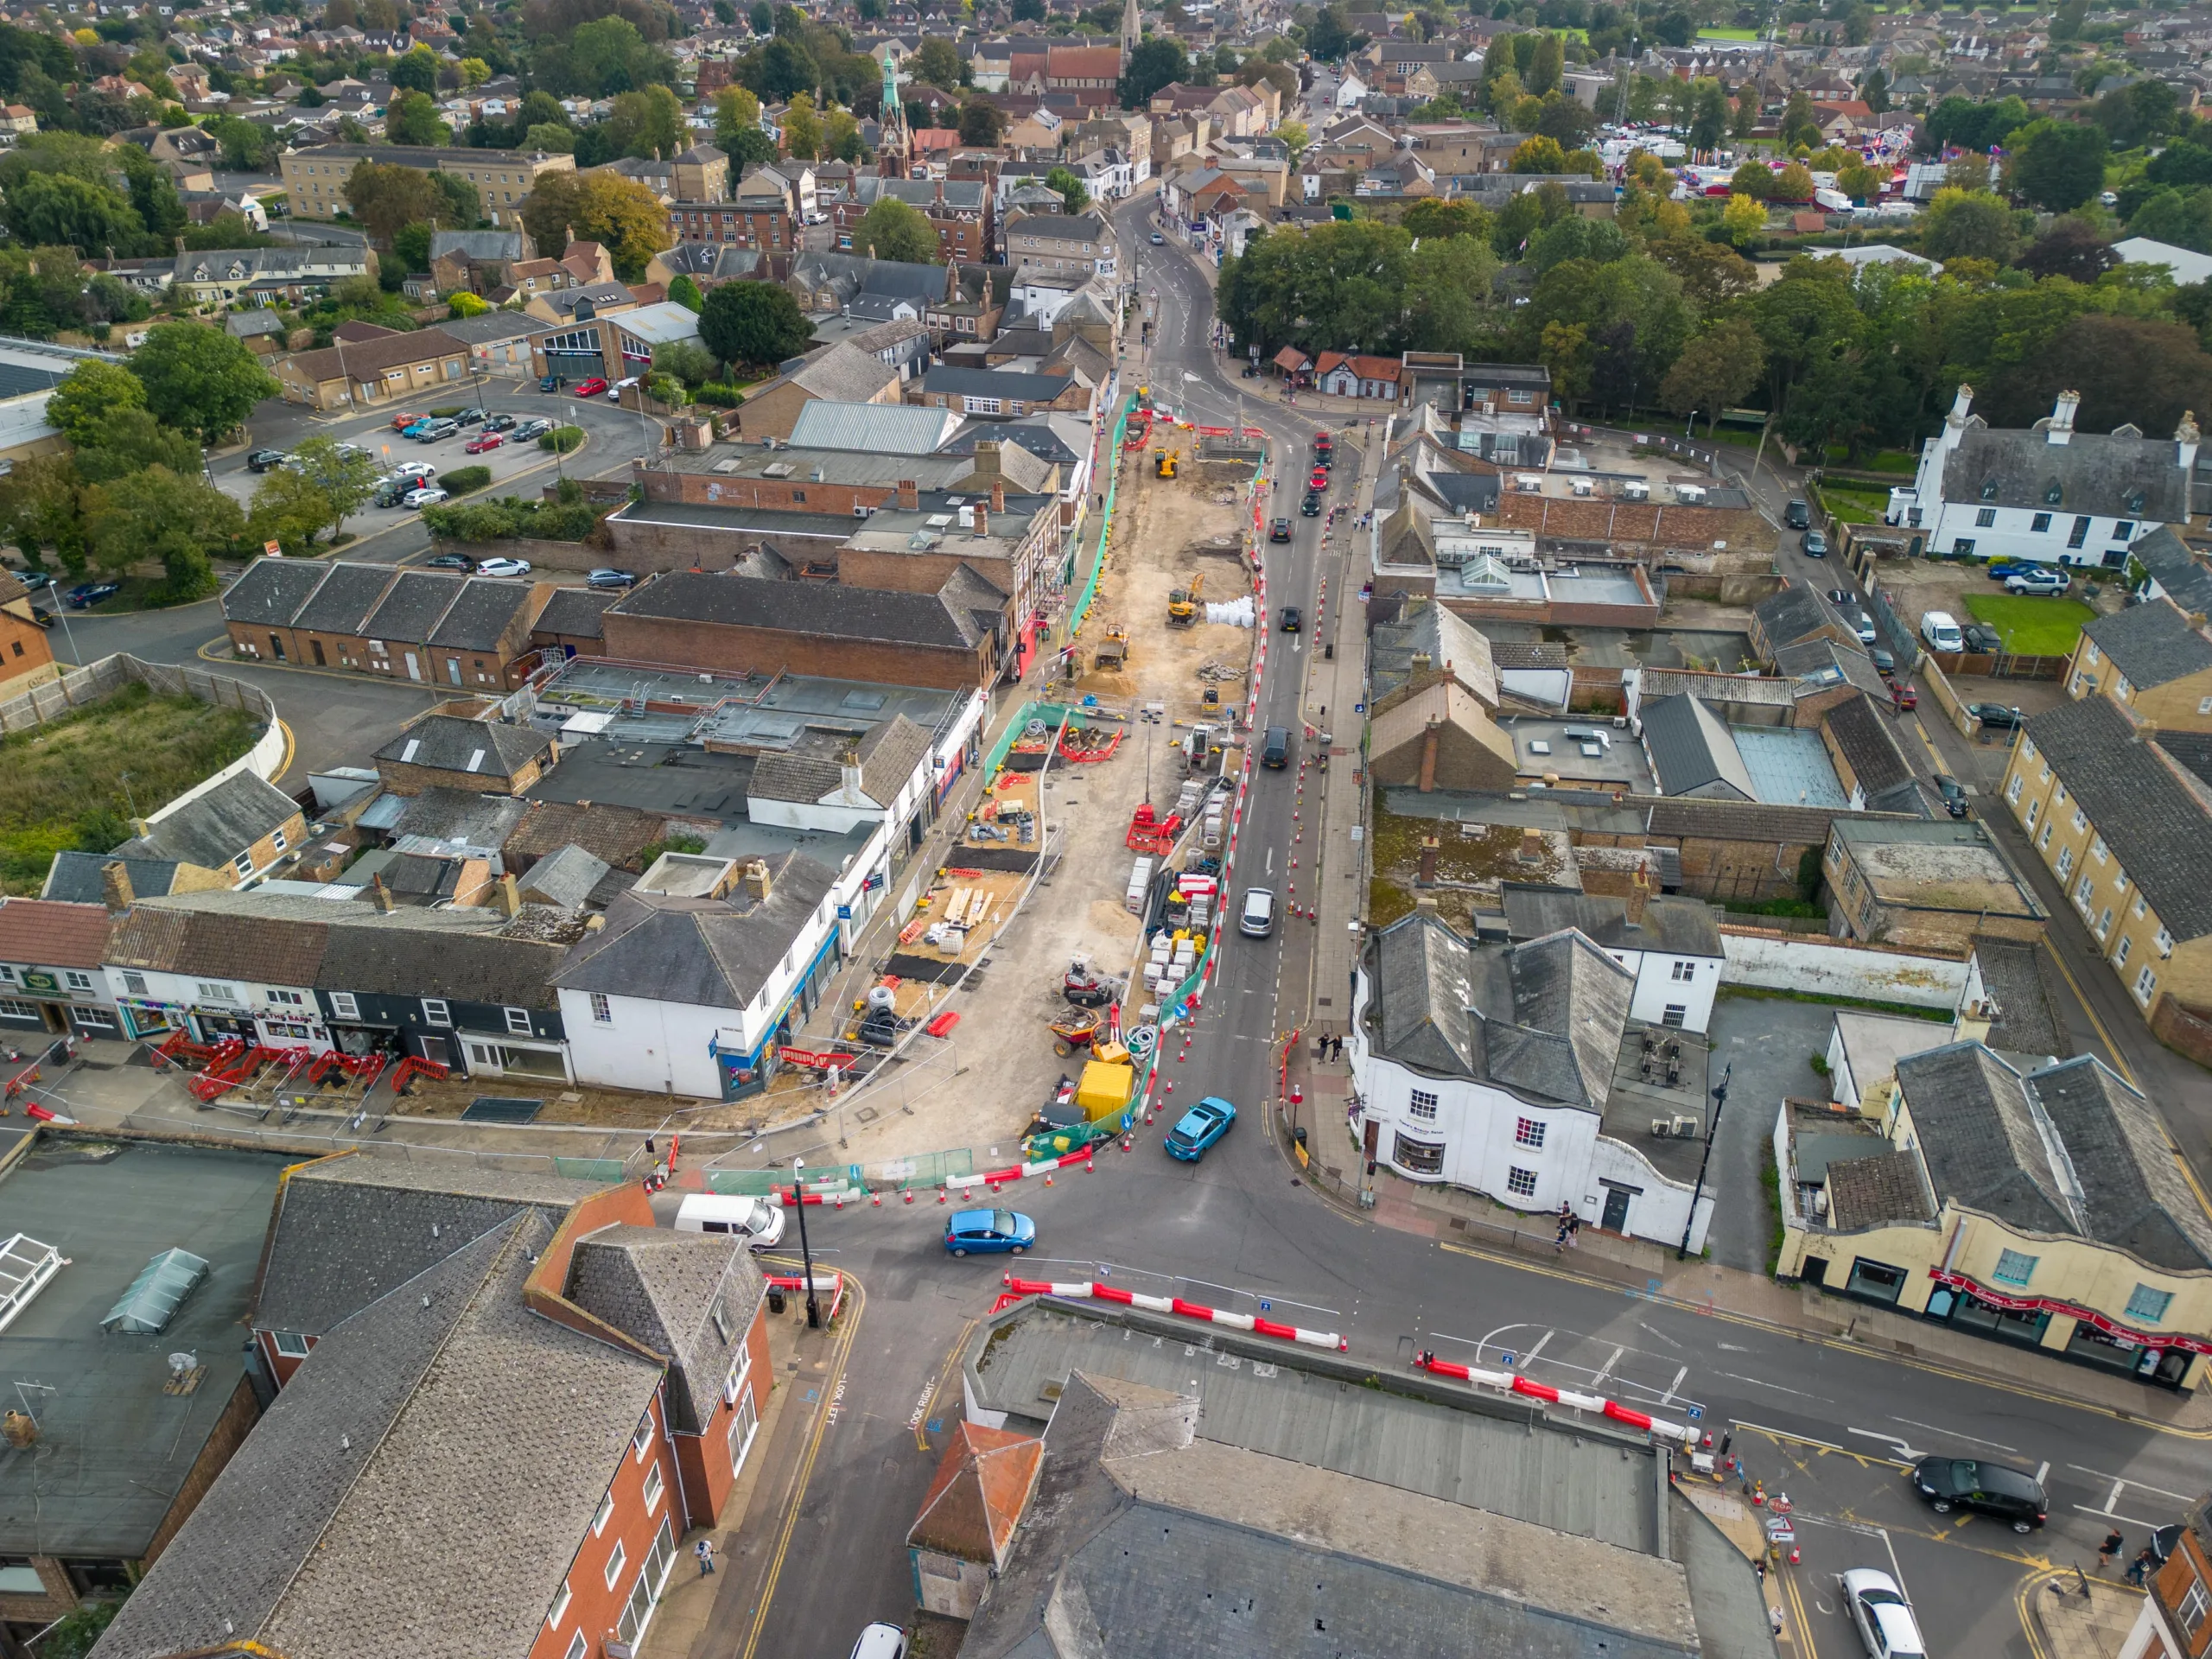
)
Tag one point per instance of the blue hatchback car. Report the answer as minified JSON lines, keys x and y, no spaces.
{"x":1199,"y":1128}
{"x":972,"y":1232}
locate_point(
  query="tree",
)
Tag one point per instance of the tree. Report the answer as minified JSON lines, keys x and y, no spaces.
{"x":736,"y":110}
{"x":58,"y":209}
{"x":1539,"y":155}
{"x":936,"y":63}
{"x":686,"y":360}
{"x":1710,"y":124}
{"x":648,"y":123}
{"x":1794,"y":183}
{"x":412,"y":118}
{"x":1753,"y":179}
{"x":1328,"y":37}
{"x":621,"y":214}
{"x":157,"y":513}
{"x":780,"y":68}
{"x":841,"y":136}
{"x":2058,"y":165}
{"x":1799,"y":124}
{"x":1716,"y":371}
{"x":1860,"y":183}
{"x":1295,"y":138}
{"x":386,"y":200}
{"x":981,"y":123}
{"x":1546,"y":66}
{"x":685,"y":292}
{"x":1743,"y":218}
{"x":463,"y":303}
{"x":1072,"y":190}
{"x":758,"y":323}
{"x":802,"y":132}
{"x":1159,"y":62}
{"x":246,"y":147}
{"x":410,"y":247}
{"x":1434,"y":216}
{"x":750,"y":148}
{"x":129,"y":440}
{"x":2127,"y":369}
{"x":417,"y":71}
{"x":1975,"y":226}
{"x":88,"y":394}
{"x":345,"y":480}
{"x":1874,"y":92}
{"x":892,"y":230}
{"x":290,"y":509}
{"x":555,"y":137}
{"x":201,"y":379}
{"x":1564,"y":349}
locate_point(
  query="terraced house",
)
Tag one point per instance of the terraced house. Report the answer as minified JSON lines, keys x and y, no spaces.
{"x":422,"y":626}
{"x":315,"y":177}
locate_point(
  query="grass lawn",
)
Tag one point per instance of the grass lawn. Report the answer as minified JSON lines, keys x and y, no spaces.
{"x":2032,"y":625}
{"x":61,"y":788}
{"x":1856,"y":506}
{"x":1727,"y":33}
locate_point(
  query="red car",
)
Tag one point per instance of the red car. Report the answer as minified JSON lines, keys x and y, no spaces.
{"x":484,"y":440}
{"x":1320,"y":478}
{"x":401,"y":422}
{"x":591,"y":388}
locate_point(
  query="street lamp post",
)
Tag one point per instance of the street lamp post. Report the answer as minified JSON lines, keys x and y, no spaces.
{"x":1712,"y":1129}
{"x":805,"y":1254}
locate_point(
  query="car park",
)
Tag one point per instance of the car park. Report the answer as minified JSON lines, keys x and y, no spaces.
{"x":417,"y":430}
{"x":1280,"y":531}
{"x":448,"y":561}
{"x":1294,"y":619}
{"x":1310,"y":507}
{"x":1257,"y":919}
{"x":1995,"y":716}
{"x":89,"y":592}
{"x":484,"y":443}
{"x":1983,"y":1488}
{"x":1815,"y":544}
{"x":607,"y":576}
{"x":504,"y":568}
{"x":429,"y":496}
{"x":498,"y":424}
{"x":2050,"y":583}
{"x":1954,"y":793}
{"x":469,"y":417}
{"x":1881,"y":1615}
{"x":980,"y":1232}
{"x":413,"y":469}
{"x":614,"y":392}
{"x":590,"y":388}
{"x":433,"y":431}
{"x":1199,"y":1128}
{"x":265,"y":460}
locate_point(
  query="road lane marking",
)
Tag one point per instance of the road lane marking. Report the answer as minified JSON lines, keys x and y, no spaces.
{"x":1529,"y":1358}
{"x":1668,"y":1398}
{"x":1761,"y":1383}
{"x":1905,"y":1448}
{"x":2123,"y":1480}
{"x":2112,"y":1496}
{"x":1606,"y":1369}
{"x":1807,"y":1440}
{"x":2042,"y":1468}
{"x":2115,"y":1514}
{"x":1953,"y":1433}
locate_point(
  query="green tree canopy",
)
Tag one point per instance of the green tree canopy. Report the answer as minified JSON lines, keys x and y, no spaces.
{"x":1072,"y":190}
{"x":759,"y":323}
{"x":1159,"y":62}
{"x":412,"y":118}
{"x":1974,"y":225}
{"x":200,"y":380}
{"x":892,"y":230}
{"x":2058,"y":165}
{"x":88,"y":394}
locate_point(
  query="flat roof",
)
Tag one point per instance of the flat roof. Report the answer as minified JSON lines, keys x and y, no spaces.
{"x":114,"y":1447}
{"x":1619,"y":762}
{"x":1790,"y":765}
{"x":724,"y":707}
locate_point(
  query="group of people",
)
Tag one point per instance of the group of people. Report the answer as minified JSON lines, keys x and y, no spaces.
{"x":1329,"y":1048}
{"x":1570,"y":1225}
{"x":2144,"y":1564}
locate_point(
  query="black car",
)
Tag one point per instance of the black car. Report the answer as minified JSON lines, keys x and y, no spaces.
{"x":1797,"y":516}
{"x":468,"y":417}
{"x":1279,"y":531}
{"x":1995,"y":716}
{"x":447,"y":561}
{"x":1885,"y":664}
{"x":1990,"y":1489}
{"x":1294,"y":619}
{"x":552,"y":382}
{"x":1310,"y":507}
{"x":1954,"y":793}
{"x":607,"y":576}
{"x":499,"y":423}
{"x":265,"y":460}
{"x":1982,"y":641}
{"x":91,"y":592}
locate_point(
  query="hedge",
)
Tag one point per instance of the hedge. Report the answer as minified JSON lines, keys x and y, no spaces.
{"x":462,"y":480}
{"x":509,"y":517}
{"x":562,"y":439}
{"x":718,"y":393}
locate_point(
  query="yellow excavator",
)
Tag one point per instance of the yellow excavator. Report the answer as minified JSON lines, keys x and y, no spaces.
{"x":1164,"y":460}
{"x":1183,"y":603}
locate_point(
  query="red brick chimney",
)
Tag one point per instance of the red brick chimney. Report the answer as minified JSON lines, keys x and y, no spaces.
{"x":910,"y":493}
{"x":982,"y":520}
{"x":998,"y":495}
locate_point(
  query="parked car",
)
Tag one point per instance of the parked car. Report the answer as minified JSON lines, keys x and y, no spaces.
{"x":1995,"y":716}
{"x":33,"y":580}
{"x":433,"y":431}
{"x":532,"y":429}
{"x":429,"y":496}
{"x":448,"y":561}
{"x":1294,"y":619}
{"x":417,"y":430}
{"x":469,"y":417}
{"x":2050,"y":583}
{"x":1862,"y":625}
{"x":265,"y":460}
{"x":590,"y":388}
{"x":1199,"y":1128}
{"x":401,"y":422}
{"x":2000,"y":568}
{"x":1940,"y":629}
{"x":614,"y":392}
{"x":1904,"y":695}
{"x":1982,"y":641}
{"x":1797,"y":516}
{"x":1280,"y":531}
{"x":1158,"y":240}
{"x":1310,"y":507}
{"x":89,"y":592}
{"x":976,"y":1232}
{"x":1843,"y":598}
{"x":504,"y":568}
{"x":886,"y":1641}
{"x":1885,"y":664}
{"x":552,"y":382}
{"x":1815,"y":544}
{"x":498,"y":424}
{"x":1954,"y":793}
{"x":1993,"y":1489}
{"x":484,"y":443}
{"x":607,"y":576}
{"x":756,"y":1221}
{"x":1882,"y":1615}
{"x":1257,"y":919}
{"x":413,"y":469}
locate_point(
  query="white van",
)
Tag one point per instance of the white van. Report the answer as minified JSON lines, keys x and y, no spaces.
{"x":760,"y":1222}
{"x":1941,"y":631}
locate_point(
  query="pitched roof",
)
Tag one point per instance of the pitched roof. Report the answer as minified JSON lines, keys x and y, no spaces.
{"x":373,"y":356}
{"x":477,"y":619}
{"x":1003,"y":384}
{"x":2116,"y":474}
{"x":877,"y":429}
{"x":564,"y":878}
{"x":48,"y":933}
{"x":834,"y":612}
{"x":271,"y":591}
{"x":614,"y":833}
{"x":2156,"y":822}
{"x":1861,"y":733}
{"x":1885,"y":1187}
{"x":413,"y":607}
{"x":2182,"y":576}
{"x":450,"y":743}
{"x":2133,"y":1194}
{"x":1691,"y":749}
{"x":1682,"y":927}
{"x":79,"y":878}
{"x":690,"y":1296}
{"x":345,"y":599}
{"x":2152,"y":644}
{"x":574,"y":612}
{"x":982,"y":1485}
{"x":1978,"y":1133}
{"x":844,"y":373}
{"x":1797,"y":612}
{"x":213,"y":828}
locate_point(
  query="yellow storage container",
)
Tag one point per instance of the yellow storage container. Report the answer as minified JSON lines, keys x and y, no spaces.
{"x":1104,"y":1090}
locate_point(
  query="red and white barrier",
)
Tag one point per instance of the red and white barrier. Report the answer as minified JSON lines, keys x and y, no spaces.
{"x":1514,"y":1383}
{"x":993,"y":1177}
{"x":1090,"y":1290}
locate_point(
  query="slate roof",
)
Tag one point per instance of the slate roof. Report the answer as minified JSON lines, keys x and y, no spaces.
{"x":451,"y":954}
{"x":1794,"y":612}
{"x":76,"y":877}
{"x":1861,"y":733}
{"x":450,"y":743}
{"x":1001,"y":384}
{"x":2134,"y":1193}
{"x":2192,"y":750}
{"x":480,"y":616}
{"x":710,"y":953}
{"x":1684,"y":927}
{"x":608,"y":830}
{"x":1889,"y":1187}
{"x":844,"y":373}
{"x":271,"y":591}
{"x":413,"y":607}
{"x":257,"y":949}
{"x":1978,"y":1136}
{"x":1450,"y":643}
{"x":2156,"y":825}
{"x":2152,"y":644}
{"x":374,"y":355}
{"x":211,"y":829}
{"x":477,"y":245}
{"x":461,"y":816}
{"x":564,"y":878}
{"x":832,"y":612}
{"x":48,"y":933}
{"x":2097,"y":472}
{"x":1691,"y":749}
{"x":574,"y":612}
{"x":345,"y":599}
{"x":690,"y":1296}
{"x":2179,"y":573}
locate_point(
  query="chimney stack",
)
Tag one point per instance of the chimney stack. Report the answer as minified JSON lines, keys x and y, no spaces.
{"x":1532,"y":847}
{"x":757,"y":881}
{"x":1639,"y":894}
{"x":380,"y":895}
{"x":115,"y":886}
{"x":910,"y":494}
{"x":2061,"y":429}
{"x":510,"y":898}
{"x":2185,"y":436}
{"x":1960,"y":404}
{"x":1429,"y":740}
{"x":986,"y":459}
{"x":998,"y":495}
{"x":983,"y":521}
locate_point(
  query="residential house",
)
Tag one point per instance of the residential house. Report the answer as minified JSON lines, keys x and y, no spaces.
{"x":52,"y":981}
{"x":1081,"y":242}
{"x":289,"y":276}
{"x":242,"y":823}
{"x":1003,"y":393}
{"x":767,"y":225}
{"x":26,"y":658}
{"x":1342,"y":374}
{"x":2163,"y":566}
{"x":479,"y":261}
{"x":449,"y":752}
{"x":958,"y":210}
{"x":315,"y":177}
{"x":1672,"y":946}
{"x":2150,"y":658}
{"x":388,"y":366}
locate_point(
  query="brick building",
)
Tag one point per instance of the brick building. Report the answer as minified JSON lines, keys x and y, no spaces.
{"x":424,"y":626}
{"x":447,"y":752}
{"x":26,"y":659}
{"x":958,"y":210}
{"x":314,"y":178}
{"x":764,"y":225}
{"x":385,"y":367}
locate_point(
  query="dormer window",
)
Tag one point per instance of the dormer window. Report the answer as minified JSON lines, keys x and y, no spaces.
{"x":2055,"y":493}
{"x":2135,"y":501}
{"x":1989,"y":489}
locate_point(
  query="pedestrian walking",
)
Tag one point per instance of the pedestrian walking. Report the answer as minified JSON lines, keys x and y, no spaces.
{"x":2110,"y":1548}
{"x":704,"y":1549}
{"x":2142,"y":1567}
{"x":1339,"y":1043}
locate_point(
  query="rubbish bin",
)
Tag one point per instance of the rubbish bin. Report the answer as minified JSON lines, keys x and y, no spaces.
{"x":775,"y":1299}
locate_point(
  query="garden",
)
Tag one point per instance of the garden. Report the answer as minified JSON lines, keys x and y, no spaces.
{"x":2030,"y":624}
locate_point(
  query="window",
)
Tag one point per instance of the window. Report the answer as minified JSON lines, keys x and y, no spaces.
{"x":2081,"y":820}
{"x":2193,"y":1606}
{"x":243,"y":863}
{"x":2065,"y":858}
{"x":436,"y":1013}
{"x":2014,"y":1268}
{"x":2080,"y":533}
{"x":2104,"y":922}
{"x":1421,"y":1104}
{"x":518,"y":1022}
{"x":2149,"y":1304}
{"x":288,"y":999}
{"x":211,"y":992}
{"x":276,"y":839}
{"x":655,"y":1485}
{"x":606,"y":1514}
{"x":1962,"y":546}
{"x":135,"y":984}
{"x":77,"y":982}
{"x":745,"y":1423}
{"x":2040,"y":523}
{"x":2124,"y":528}
{"x":1675,"y":1015}
{"x":2082,"y":890}
{"x":2137,"y":909}
{"x":642,"y":1441}
{"x":2165,"y":943}
{"x":2145,"y":982}
{"x":291,"y":1346}
{"x":1985,"y":520}
{"x":1418,"y":1157}
{"x":2034,"y":808}
{"x":343,"y":1007}
{"x":2119,"y":957}
{"x":1520,"y":1182}
{"x":1528,"y":1132}
{"x":1685,"y":970}
{"x":2055,"y":493}
{"x":740,"y":1366}
{"x":1989,"y":489}
{"x":616,"y":1562}
{"x":2012,"y":789}
{"x":2097,"y":850}
{"x":15,"y":1010}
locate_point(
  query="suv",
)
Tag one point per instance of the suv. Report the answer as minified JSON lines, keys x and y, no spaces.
{"x":1279,"y":531}
{"x":1797,"y":516}
{"x":1294,"y":619}
{"x":434,"y":430}
{"x":264,"y":461}
{"x":1275,"y":751}
{"x":2052,"y":582}
{"x":1948,"y":1483}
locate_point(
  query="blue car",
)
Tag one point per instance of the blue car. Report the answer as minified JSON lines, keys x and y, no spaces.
{"x":2000,"y":568}
{"x":971,"y":1232}
{"x":417,"y":430}
{"x":1199,"y":1128}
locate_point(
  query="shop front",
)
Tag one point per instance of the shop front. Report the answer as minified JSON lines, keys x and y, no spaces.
{"x":2094,"y":1338}
{"x":56,"y":1001}
{"x":747,"y":1068}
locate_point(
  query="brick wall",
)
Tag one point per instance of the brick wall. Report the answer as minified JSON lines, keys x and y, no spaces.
{"x":2183,"y":1029}
{"x":403,"y":779}
{"x":706,"y":1458}
{"x":800,"y":494}
{"x":725,"y":649}
{"x":1713,"y":868}
{"x":593,"y":1605}
{"x":650,"y":547}
{"x":1557,"y":614}
{"x":238,"y":1417}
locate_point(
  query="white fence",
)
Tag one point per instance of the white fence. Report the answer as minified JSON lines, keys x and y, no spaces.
{"x":1823,"y":967}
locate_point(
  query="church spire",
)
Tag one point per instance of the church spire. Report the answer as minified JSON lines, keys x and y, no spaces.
{"x":1131,"y":35}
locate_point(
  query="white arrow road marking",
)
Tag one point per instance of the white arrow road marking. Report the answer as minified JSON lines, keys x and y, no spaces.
{"x":1905,"y":1450}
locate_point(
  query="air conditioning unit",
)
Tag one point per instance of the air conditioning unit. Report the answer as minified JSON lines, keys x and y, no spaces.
{"x":1662,"y":1128}
{"x":1685,"y":1128}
